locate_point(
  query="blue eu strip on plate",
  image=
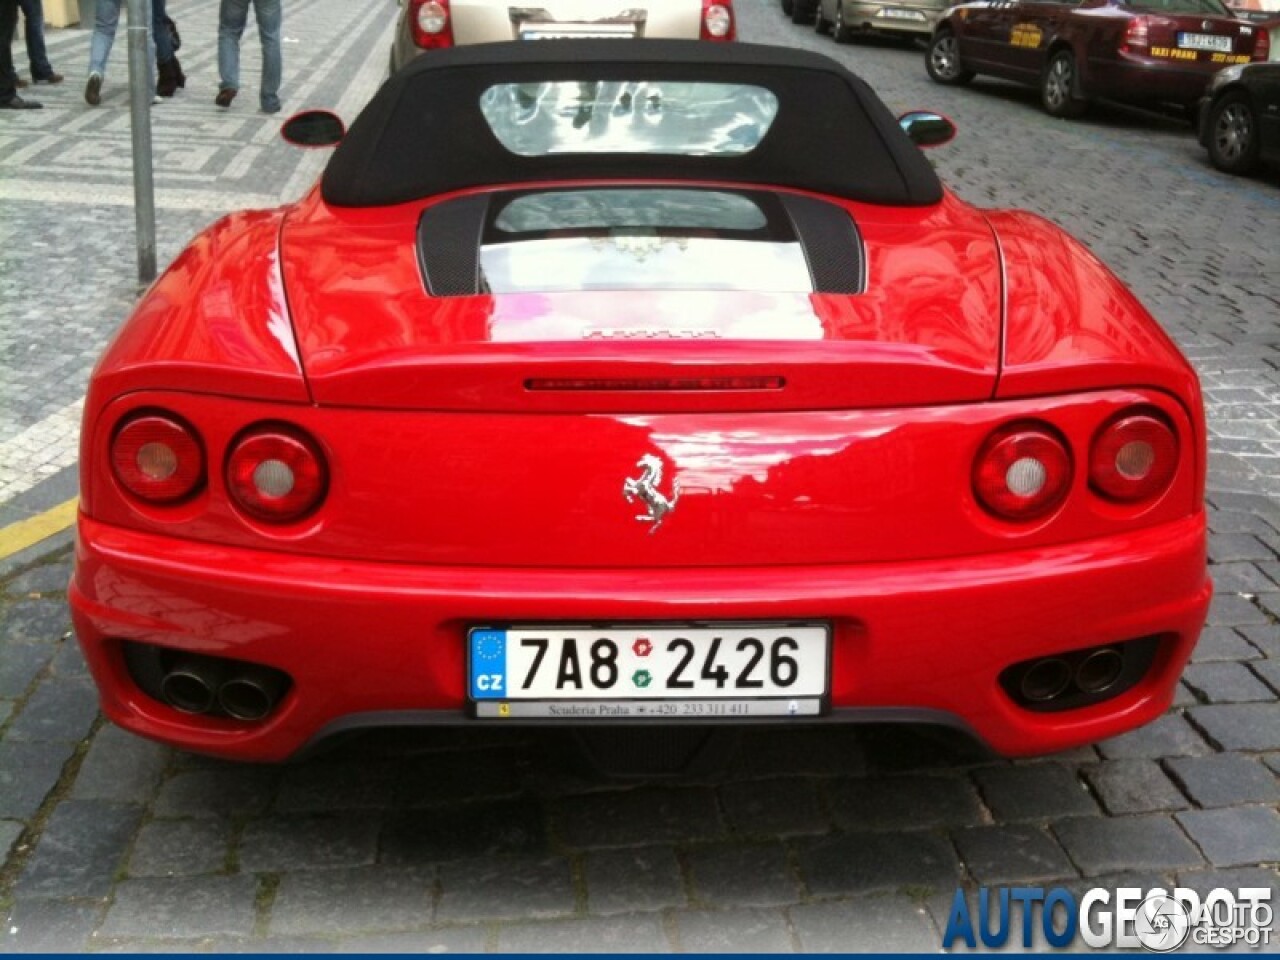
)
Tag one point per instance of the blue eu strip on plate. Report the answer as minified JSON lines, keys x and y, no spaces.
{"x":488,"y":664}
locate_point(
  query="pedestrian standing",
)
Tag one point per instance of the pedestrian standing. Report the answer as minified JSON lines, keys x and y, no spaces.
{"x":9,"y":99}
{"x":232,"y":16}
{"x":41,"y":69}
{"x":104,"y":35}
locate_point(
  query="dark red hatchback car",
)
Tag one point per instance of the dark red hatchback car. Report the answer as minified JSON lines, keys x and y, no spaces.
{"x":1142,"y":51}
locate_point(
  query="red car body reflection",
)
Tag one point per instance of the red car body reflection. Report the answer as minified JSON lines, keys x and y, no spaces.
{"x":474,"y":450}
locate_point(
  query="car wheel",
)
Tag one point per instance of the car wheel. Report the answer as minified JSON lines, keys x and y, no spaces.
{"x":820,"y":23}
{"x":801,"y":11}
{"x":1233,"y":133}
{"x":840,"y":31}
{"x":942,"y":60}
{"x":1058,"y":87}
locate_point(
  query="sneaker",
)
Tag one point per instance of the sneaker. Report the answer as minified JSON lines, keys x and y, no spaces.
{"x":93,"y":90}
{"x":17,"y":103}
{"x":272,"y":106}
{"x":225,"y":96}
{"x":52,"y":78}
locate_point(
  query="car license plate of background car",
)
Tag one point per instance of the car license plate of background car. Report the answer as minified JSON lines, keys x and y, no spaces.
{"x":579,"y":31}
{"x":893,"y":13}
{"x":649,"y":671}
{"x":1204,"y":41}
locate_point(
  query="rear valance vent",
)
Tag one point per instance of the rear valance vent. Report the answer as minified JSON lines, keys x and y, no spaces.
{"x":654,"y":385}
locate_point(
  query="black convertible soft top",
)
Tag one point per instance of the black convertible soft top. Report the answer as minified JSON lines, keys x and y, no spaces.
{"x":423,"y":134}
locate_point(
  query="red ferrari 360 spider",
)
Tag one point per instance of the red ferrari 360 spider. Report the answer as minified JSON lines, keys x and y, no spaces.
{"x":603,"y":383}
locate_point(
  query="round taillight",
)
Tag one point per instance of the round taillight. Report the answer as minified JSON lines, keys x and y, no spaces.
{"x":276,"y":474}
{"x":718,"y":20}
{"x":157,"y":458}
{"x":432,"y":17}
{"x":1023,"y":471}
{"x":1134,"y":457}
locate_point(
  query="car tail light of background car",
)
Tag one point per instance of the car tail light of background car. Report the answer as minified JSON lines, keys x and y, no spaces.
{"x":1262,"y":46}
{"x":157,"y":458}
{"x":1136,"y":35}
{"x":429,"y":20}
{"x":276,"y":473}
{"x":717,"y":20}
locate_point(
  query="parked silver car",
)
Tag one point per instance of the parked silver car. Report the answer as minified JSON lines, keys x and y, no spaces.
{"x":435,"y":24}
{"x":845,"y":19}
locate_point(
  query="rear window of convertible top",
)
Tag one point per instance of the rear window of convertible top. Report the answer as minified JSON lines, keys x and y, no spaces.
{"x":666,"y":117}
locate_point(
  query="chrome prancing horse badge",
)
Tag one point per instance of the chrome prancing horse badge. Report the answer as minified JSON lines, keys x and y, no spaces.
{"x":645,"y":487}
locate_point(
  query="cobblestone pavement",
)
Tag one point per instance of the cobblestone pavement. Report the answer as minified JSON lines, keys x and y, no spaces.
{"x":836,"y":839}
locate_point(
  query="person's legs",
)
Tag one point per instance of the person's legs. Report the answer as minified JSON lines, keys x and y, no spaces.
{"x":232,"y":15}
{"x":270,"y":18}
{"x":104,"y":35}
{"x":8,"y":23}
{"x":160,"y":30}
{"x":33,"y":14}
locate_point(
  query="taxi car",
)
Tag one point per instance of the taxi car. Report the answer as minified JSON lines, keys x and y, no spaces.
{"x":425,"y":25}
{"x":672,"y":401}
{"x":1147,"y":52}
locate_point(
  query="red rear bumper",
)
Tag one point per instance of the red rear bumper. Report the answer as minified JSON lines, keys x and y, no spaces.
{"x":361,"y":639}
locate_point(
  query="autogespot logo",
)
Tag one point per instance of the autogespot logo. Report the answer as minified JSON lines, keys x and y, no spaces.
{"x":1159,"y":920}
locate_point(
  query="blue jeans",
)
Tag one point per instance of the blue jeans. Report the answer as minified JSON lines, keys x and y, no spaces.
{"x":104,"y":35}
{"x":33,"y":17}
{"x":160,"y":32}
{"x":232,"y":16}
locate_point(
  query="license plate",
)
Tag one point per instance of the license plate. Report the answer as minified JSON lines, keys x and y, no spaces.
{"x":1204,"y":41}
{"x":893,"y":13}
{"x":578,"y":31}
{"x":716,"y":668}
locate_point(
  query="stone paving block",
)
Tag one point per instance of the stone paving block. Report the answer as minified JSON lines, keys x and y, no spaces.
{"x":6,"y":708}
{"x":633,"y":880}
{"x":1134,"y":786}
{"x":1236,"y":836}
{"x":309,"y":842}
{"x":20,"y":663}
{"x":872,"y":862}
{"x":889,"y":924}
{"x":639,"y":817}
{"x":773,"y":807}
{"x":442,"y":940}
{"x":35,"y":621}
{"x":178,"y":848}
{"x":48,"y":578}
{"x":226,"y":790}
{"x":1222,"y":644}
{"x":1264,"y":637}
{"x":338,"y":902}
{"x":80,"y":850}
{"x":120,"y":766}
{"x":1099,"y":846}
{"x":1228,"y":547}
{"x":733,"y":931}
{"x":1011,"y":854}
{"x":1225,"y":779}
{"x":738,"y":875}
{"x":481,"y":830}
{"x":1034,"y":792}
{"x":59,"y":710}
{"x":69,"y":661}
{"x":904,"y":803}
{"x":1168,"y":736}
{"x":1240,"y":577}
{"x":28,"y":771}
{"x":505,"y":888}
{"x":1231,"y":610}
{"x":183,"y":908}
{"x":49,"y":926}
{"x":783,"y":751}
{"x":326,"y":787}
{"x":637,"y":933}
{"x":1226,"y":683}
{"x":1268,"y":671}
{"x":1241,"y":726}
